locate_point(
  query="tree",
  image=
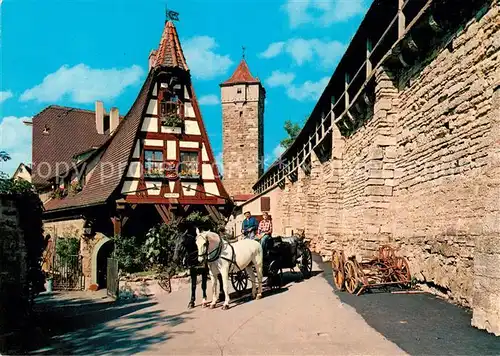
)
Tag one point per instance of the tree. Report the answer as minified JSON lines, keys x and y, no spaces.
{"x":292,"y":129}
{"x":4,"y":156}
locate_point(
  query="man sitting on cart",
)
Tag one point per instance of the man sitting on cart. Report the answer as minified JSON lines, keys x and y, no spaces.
{"x":249,"y":226}
{"x":264,"y":231}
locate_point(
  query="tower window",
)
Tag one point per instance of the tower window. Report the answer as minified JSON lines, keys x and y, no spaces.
{"x":241,"y":113}
{"x":238,"y":90}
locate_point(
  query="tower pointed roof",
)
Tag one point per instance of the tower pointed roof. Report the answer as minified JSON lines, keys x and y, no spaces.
{"x":242,"y":75}
{"x":169,"y":52}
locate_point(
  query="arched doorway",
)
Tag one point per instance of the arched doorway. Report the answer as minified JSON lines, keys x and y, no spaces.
{"x":100,"y":253}
{"x":102,"y":262}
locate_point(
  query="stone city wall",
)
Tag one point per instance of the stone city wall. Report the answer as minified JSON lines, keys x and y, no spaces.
{"x":419,"y":175}
{"x":14,"y":298}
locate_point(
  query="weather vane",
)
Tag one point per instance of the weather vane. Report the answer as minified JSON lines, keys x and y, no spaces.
{"x":171,"y":15}
{"x":243,"y":48}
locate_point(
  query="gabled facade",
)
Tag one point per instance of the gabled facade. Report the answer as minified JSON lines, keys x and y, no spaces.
{"x":151,"y":165}
{"x":159,"y":153}
{"x":172,"y":161}
{"x":23,"y":172}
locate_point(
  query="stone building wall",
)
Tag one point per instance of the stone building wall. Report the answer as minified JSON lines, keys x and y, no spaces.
{"x":243,"y":142}
{"x":14,"y":296}
{"x":74,"y":228}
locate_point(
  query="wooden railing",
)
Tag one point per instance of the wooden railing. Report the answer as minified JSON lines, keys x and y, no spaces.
{"x":356,"y":90}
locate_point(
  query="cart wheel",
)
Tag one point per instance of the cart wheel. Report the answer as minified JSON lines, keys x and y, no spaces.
{"x":275,"y":276}
{"x":164,"y":282}
{"x":351,"y":277}
{"x":338,"y":269}
{"x":239,"y":280}
{"x":402,"y":271}
{"x":306,"y":263}
{"x":386,"y":252}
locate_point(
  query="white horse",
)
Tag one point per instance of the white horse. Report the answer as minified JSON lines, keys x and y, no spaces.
{"x":224,"y":258}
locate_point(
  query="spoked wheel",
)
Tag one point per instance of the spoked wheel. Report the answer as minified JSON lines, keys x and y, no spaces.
{"x":306,"y":263}
{"x":239,"y":280}
{"x":402,"y":272}
{"x":351,"y":277}
{"x":275,"y":276}
{"x":164,"y":282}
{"x":338,"y":269}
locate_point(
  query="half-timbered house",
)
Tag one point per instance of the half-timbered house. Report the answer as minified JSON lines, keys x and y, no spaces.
{"x":154,"y":163}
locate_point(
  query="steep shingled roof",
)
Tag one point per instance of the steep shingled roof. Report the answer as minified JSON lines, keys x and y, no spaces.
{"x":242,"y":75}
{"x":169,"y":53}
{"x":59,"y":133}
{"x":109,"y":171}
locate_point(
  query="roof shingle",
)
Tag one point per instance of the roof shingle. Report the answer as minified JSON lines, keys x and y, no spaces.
{"x":242,"y":75}
{"x":169,"y":53}
{"x":58,"y":134}
{"x":108,"y":172}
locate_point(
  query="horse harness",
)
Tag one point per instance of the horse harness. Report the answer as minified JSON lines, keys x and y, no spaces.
{"x":213,"y":255}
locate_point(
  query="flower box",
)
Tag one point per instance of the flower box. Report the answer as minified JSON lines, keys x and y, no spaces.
{"x":171,"y":129}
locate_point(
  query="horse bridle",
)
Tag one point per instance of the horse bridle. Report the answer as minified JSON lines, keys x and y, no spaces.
{"x":217,"y":250}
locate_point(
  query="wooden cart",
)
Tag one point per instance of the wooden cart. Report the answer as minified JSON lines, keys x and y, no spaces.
{"x":382,"y":270}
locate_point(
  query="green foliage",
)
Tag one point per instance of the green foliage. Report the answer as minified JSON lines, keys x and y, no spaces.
{"x":160,"y":245}
{"x":4,"y":156}
{"x":172,"y":120}
{"x":67,"y":247}
{"x":292,"y":130}
{"x":204,"y":222}
{"x":130,"y":254}
{"x":12,"y":186}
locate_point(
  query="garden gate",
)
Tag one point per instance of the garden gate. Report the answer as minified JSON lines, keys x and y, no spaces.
{"x":67,"y":273}
{"x":112,"y":282}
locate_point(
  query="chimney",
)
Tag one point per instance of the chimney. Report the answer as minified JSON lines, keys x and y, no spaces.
{"x":114,"y":119}
{"x":99,"y":117}
{"x":152,"y":58}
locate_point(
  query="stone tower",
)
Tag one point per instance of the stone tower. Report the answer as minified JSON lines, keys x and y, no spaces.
{"x":242,"y":98}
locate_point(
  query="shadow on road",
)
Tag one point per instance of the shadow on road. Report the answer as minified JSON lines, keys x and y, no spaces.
{"x":419,"y":323}
{"x":97,"y":326}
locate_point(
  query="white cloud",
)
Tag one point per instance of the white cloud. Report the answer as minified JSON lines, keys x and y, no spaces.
{"x":279,"y":78}
{"x":323,"y":52}
{"x":209,"y":100}
{"x":220,"y":163}
{"x":15,"y":139}
{"x":278,"y":150}
{"x":273,"y":50}
{"x":83,"y":84}
{"x":4,"y":95}
{"x":308,"y":90}
{"x":202,"y":60}
{"x":322,"y":13}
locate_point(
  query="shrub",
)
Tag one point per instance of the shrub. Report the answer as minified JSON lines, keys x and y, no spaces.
{"x":160,"y":245}
{"x":67,"y":247}
{"x":130,"y":254}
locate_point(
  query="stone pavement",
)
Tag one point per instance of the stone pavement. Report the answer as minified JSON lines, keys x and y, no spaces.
{"x":304,"y":318}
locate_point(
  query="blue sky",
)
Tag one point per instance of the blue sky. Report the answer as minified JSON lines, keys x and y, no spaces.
{"x":72,"y":53}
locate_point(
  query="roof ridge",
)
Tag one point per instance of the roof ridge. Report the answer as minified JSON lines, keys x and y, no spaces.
{"x":62,"y":107}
